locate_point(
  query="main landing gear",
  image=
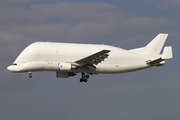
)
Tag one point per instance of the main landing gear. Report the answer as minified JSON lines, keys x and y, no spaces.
{"x":30,"y":74}
{"x":84,"y":77}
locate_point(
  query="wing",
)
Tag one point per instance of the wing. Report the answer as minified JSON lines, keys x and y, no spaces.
{"x":93,"y":59}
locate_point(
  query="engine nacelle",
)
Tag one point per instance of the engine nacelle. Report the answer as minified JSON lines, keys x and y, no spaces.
{"x":60,"y":74}
{"x":66,"y":66}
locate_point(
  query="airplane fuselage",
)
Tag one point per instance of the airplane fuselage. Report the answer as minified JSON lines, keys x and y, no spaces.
{"x":46,"y":56}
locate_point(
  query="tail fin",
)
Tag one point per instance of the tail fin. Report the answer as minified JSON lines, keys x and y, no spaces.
{"x":154,"y":47}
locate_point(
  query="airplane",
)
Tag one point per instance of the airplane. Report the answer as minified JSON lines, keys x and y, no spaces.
{"x":68,"y":59}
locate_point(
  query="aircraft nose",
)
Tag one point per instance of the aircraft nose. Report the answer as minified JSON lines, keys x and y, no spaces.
{"x":12,"y":68}
{"x":9,"y":68}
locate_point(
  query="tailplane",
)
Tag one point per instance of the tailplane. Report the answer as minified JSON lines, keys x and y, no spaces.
{"x":167,"y":53}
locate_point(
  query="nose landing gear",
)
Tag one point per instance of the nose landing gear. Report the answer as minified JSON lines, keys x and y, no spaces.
{"x":84,"y":78}
{"x":30,"y":74}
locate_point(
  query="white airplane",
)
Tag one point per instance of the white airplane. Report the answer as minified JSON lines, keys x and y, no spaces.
{"x":67,"y":59}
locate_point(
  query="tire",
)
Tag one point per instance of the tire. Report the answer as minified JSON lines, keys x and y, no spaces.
{"x":30,"y":76}
{"x":85,"y":80}
{"x":87,"y":76}
{"x":81,"y":80}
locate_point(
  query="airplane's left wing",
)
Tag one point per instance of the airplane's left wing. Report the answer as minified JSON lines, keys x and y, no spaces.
{"x":94,"y":59}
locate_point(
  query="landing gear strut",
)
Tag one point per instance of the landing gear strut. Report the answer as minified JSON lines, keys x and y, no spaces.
{"x":84,"y":77}
{"x":30,"y":74}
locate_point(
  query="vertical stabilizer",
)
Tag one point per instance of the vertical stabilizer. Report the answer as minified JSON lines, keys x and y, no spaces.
{"x":155,"y":46}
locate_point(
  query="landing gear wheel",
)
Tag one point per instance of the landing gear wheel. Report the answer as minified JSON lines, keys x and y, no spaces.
{"x":81,"y":80}
{"x":87,"y":76}
{"x":85,"y":80}
{"x":30,"y":76}
{"x":83,"y":75}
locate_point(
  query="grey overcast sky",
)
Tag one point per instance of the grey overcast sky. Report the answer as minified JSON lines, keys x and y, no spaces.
{"x":151,"y":94}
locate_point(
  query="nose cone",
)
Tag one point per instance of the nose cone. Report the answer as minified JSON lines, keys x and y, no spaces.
{"x":9,"y":68}
{"x":13,"y":68}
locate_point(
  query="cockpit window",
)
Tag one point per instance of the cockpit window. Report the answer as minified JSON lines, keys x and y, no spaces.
{"x":14,"y":63}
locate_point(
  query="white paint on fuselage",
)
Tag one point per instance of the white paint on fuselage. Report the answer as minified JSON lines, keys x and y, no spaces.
{"x":45,"y":56}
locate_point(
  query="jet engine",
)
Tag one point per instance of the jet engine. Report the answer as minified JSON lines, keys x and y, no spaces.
{"x":67,"y":66}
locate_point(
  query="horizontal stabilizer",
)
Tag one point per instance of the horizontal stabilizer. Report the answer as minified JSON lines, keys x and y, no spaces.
{"x":155,"y":62}
{"x":167,"y":53}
